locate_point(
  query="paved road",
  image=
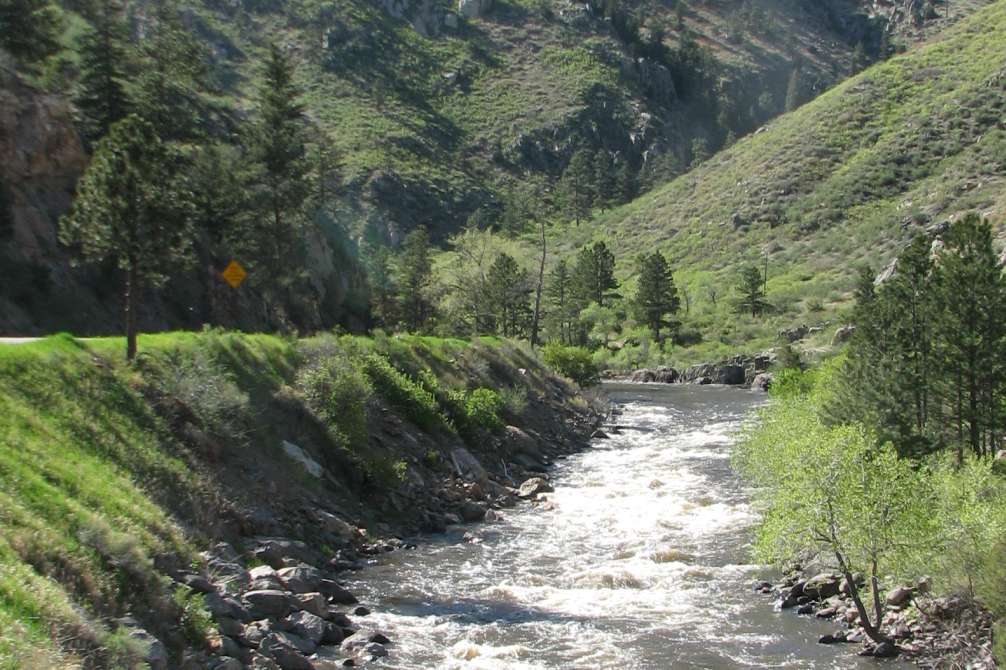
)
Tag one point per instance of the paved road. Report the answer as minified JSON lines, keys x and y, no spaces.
{"x":18,"y":340}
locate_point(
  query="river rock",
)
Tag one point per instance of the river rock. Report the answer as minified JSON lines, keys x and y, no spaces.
{"x":333,"y":524}
{"x":229,"y":663}
{"x":306,"y":625}
{"x":842,"y":335}
{"x":533,"y":487}
{"x":467,"y":466}
{"x":336,"y":593}
{"x":886,"y":650}
{"x":315,"y":603}
{"x":822,"y":586}
{"x":268,"y":602}
{"x":899,"y":596}
{"x":286,"y":656}
{"x":762,"y":382}
{"x":471,"y":512}
{"x":301,"y":579}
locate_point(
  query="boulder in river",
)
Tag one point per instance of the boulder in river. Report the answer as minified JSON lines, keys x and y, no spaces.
{"x":762,"y":382}
{"x":822,"y":586}
{"x":899,"y":596}
{"x":532,"y":487}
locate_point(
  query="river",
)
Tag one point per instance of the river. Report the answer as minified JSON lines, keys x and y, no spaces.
{"x":643,"y":563}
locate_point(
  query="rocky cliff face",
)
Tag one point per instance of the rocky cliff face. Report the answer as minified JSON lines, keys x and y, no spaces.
{"x":41,"y":157}
{"x":41,"y":291}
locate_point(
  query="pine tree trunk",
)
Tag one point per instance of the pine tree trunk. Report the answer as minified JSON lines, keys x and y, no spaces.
{"x":541,"y":285}
{"x":130,"y":310}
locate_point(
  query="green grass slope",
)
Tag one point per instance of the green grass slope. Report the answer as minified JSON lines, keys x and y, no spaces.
{"x":113,"y":478}
{"x":844,"y":180}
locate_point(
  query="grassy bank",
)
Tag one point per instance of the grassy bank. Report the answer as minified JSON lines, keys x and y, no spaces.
{"x":113,"y":477}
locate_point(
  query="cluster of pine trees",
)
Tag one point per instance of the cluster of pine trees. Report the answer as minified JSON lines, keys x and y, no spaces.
{"x":175,"y":185}
{"x":927,"y":364}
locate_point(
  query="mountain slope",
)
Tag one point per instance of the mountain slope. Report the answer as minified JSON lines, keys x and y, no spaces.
{"x":844,"y":180}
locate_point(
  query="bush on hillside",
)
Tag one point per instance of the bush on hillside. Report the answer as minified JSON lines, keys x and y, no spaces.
{"x":576,"y":363}
{"x":336,"y":389}
{"x":192,"y":381}
{"x":414,"y":401}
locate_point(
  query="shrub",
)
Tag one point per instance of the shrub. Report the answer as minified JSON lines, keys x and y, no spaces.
{"x":336,"y":389}
{"x":415,"y":402}
{"x":196,"y":622}
{"x":572,"y":362}
{"x":483,"y":407}
{"x":191,"y":380}
{"x":474,"y":413}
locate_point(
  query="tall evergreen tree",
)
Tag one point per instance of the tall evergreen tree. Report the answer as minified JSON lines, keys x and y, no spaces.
{"x":559,"y":301}
{"x":971,"y":326}
{"x":507,"y":294}
{"x":28,"y":29}
{"x":414,"y":273}
{"x":279,"y":181}
{"x":101,"y":94}
{"x":383,"y":287}
{"x":604,"y":179}
{"x":129,"y":208}
{"x":577,"y":188}
{"x":626,"y":182}
{"x":656,"y":296}
{"x":594,"y":275}
{"x":751,"y":292}
{"x":172,"y":74}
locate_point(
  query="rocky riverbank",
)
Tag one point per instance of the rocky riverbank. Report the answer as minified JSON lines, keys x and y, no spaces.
{"x":742,"y":370}
{"x":931,"y":632}
{"x":240,"y":483}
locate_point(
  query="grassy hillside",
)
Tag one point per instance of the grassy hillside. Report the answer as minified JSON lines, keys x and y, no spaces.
{"x":434,"y":114}
{"x":113,"y":478}
{"x":840,"y":182}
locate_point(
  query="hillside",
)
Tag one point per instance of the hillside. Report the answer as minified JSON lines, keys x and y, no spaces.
{"x":133,"y":504}
{"x":433,"y":113}
{"x":843,"y":181}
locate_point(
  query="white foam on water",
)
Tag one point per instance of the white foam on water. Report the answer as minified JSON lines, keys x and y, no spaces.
{"x":640,"y":563}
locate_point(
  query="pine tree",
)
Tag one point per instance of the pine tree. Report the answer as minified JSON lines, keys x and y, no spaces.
{"x":604,"y":179}
{"x":507,"y":295}
{"x":173,"y":71}
{"x":414,"y":273}
{"x":594,"y":275}
{"x":218,"y":198}
{"x":700,"y":151}
{"x":751,"y":292}
{"x":626,"y":184}
{"x":656,"y":296}
{"x":559,"y":300}
{"x":29,"y":29}
{"x":383,"y":288}
{"x":129,"y":208}
{"x":279,"y":181}
{"x":101,"y":95}
{"x":576,"y":188}
{"x":970,"y":328}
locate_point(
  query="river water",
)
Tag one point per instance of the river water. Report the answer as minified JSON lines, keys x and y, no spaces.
{"x":642,"y":564}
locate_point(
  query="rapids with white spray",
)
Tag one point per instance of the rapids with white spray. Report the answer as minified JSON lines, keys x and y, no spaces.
{"x":642,"y":564}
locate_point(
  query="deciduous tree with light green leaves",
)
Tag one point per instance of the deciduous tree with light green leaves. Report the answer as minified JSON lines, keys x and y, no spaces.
{"x":834,"y":493}
{"x":130,"y":207}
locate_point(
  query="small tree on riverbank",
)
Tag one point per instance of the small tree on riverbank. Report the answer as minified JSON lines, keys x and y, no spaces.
{"x":657,"y":296}
{"x":845,"y":500}
{"x":129,"y":209}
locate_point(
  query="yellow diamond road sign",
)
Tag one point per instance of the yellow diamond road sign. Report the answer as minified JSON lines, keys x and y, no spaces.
{"x":234,"y":274}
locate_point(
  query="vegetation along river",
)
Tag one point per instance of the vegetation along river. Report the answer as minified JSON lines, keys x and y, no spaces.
{"x":642,"y":563}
